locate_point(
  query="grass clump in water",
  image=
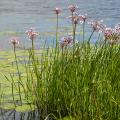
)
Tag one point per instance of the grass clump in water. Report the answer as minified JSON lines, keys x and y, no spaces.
{"x":76,"y":81}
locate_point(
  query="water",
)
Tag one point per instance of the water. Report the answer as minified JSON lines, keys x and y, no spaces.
{"x":19,"y":15}
{"x":14,"y":115}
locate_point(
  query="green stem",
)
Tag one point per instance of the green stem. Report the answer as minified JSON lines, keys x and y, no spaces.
{"x":74,"y":34}
{"x":57,"y":33}
{"x":91,"y":36}
{"x":33,"y":60}
{"x":32,"y":45}
{"x":18,"y":74}
{"x":32,"y":52}
{"x":62,"y":70}
{"x":72,"y":22}
{"x":13,"y":93}
{"x":83,"y":31}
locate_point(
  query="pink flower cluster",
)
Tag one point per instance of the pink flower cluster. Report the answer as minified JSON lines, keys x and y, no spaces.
{"x":14,"y":41}
{"x":72,"y":8}
{"x":112,"y":34}
{"x":57,"y":10}
{"x":108,"y":32}
{"x":76,"y":18}
{"x":65,"y":41}
{"x":32,"y":34}
{"x":83,"y":18}
{"x":97,"y":25}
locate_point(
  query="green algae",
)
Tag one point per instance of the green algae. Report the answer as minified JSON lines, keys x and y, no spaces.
{"x":8,"y":68}
{"x":25,"y":108}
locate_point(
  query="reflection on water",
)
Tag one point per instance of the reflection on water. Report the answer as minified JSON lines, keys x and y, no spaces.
{"x":29,"y":115}
{"x":14,"y":115}
{"x":19,"y":15}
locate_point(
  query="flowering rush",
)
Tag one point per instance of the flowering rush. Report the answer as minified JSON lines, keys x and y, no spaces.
{"x":65,"y":41}
{"x":14,"y":41}
{"x":32,"y":34}
{"x":75,"y":18}
{"x":72,"y":8}
{"x":57,"y":10}
{"x":112,"y":34}
{"x":108,"y":33}
{"x":83,"y":18}
{"x":97,"y":25}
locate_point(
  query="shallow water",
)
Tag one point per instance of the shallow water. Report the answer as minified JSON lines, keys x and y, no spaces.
{"x":14,"y":115}
{"x":19,"y":15}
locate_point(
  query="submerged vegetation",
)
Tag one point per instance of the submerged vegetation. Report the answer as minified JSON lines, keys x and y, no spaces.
{"x":75,"y":80}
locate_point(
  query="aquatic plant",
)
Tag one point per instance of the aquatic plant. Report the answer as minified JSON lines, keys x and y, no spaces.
{"x":76,"y":81}
{"x":65,"y":41}
{"x":96,"y":27}
{"x":14,"y":41}
{"x":57,"y":12}
{"x":83,"y":19}
{"x":72,"y":8}
{"x":75,"y":20}
{"x":112,"y":36}
{"x":32,"y":35}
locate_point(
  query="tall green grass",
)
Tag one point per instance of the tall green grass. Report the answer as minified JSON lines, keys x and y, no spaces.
{"x":84,"y":87}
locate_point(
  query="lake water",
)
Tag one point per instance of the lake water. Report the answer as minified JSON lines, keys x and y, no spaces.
{"x":16,"y":16}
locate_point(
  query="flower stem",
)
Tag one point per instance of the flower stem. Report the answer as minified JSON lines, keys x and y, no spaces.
{"x":74,"y":34}
{"x":13,"y":92}
{"x":83,"y":31}
{"x":32,"y":45}
{"x":57,"y":33}
{"x":91,"y":36}
{"x":72,"y":21}
{"x":18,"y":74}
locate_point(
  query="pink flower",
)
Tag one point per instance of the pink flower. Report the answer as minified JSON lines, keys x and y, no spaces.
{"x":72,"y":8}
{"x":97,"y":26}
{"x":65,"y":41}
{"x":82,"y":18}
{"x":69,"y":39}
{"x":32,"y":34}
{"x":75,"y":18}
{"x":57,"y":10}
{"x":112,"y":35}
{"x":14,"y":41}
{"x":108,"y":32}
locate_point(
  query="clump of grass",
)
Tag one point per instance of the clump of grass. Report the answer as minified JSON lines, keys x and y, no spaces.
{"x":76,"y":80}
{"x":85,"y":85}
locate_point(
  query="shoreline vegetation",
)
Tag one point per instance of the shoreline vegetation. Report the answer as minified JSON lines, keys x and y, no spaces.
{"x":71,"y":80}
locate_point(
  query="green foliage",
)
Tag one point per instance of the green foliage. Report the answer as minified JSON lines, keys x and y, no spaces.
{"x":84,"y":84}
